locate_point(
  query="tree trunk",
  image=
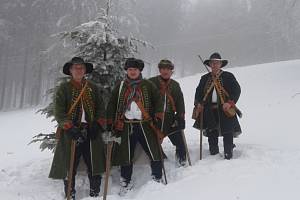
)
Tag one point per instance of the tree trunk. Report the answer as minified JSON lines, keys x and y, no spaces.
{"x":23,"y":86}
{"x":4,"y":78}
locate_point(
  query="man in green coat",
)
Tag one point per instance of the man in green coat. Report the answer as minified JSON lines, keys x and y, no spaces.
{"x":174,"y":110}
{"x":133,"y":108}
{"x":80,"y":114}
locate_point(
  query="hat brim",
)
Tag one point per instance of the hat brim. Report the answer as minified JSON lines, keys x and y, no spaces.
{"x":224,"y":62}
{"x":167,"y":66}
{"x":88,"y":66}
{"x":136,"y":67}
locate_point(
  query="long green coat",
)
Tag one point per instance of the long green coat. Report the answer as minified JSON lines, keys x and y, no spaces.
{"x":152,"y":104}
{"x":65,"y":96}
{"x":175,"y":92}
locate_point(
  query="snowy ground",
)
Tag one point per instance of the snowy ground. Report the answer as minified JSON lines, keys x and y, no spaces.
{"x":265,"y":165}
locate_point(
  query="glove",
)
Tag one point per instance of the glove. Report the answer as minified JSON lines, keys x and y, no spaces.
{"x":94,"y":130}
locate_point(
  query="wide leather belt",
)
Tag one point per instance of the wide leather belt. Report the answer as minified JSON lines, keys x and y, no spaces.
{"x":214,"y":106}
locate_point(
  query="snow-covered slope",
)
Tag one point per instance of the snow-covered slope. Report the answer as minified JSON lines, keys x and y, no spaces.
{"x":265,"y":165}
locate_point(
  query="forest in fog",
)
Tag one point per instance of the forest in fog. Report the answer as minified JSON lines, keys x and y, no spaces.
{"x":244,"y":32}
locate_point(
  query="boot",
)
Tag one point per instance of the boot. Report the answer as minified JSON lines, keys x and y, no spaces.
{"x":73,"y":191}
{"x":213,"y":143}
{"x":213,"y":150}
{"x":126,"y":185}
{"x":228,"y":156}
{"x":95,"y":182}
{"x":156,"y":179}
{"x":180,"y":158}
{"x":228,"y":145}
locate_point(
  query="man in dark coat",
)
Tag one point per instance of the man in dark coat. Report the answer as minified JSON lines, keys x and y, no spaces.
{"x":215,"y":98}
{"x":134,"y":106}
{"x":80,"y":113}
{"x":173,"y":122}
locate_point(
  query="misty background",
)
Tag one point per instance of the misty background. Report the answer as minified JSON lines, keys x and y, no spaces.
{"x":244,"y":32}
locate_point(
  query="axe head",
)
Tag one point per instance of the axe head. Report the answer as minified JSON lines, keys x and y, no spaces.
{"x":110,"y":137}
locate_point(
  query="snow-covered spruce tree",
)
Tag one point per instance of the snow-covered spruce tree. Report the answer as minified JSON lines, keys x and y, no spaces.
{"x":101,"y":44}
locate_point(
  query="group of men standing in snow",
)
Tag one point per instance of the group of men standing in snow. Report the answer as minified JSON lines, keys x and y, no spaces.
{"x":140,"y":111}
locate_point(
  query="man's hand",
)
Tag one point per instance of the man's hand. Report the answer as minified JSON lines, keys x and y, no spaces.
{"x":200,"y":107}
{"x":197,"y":110}
{"x":226,"y":106}
{"x":161,"y":139}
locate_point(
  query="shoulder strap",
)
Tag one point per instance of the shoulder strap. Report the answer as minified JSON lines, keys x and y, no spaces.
{"x":118,"y":102}
{"x":58,"y":130}
{"x":78,"y":98}
{"x":165,"y":87}
{"x":208,"y":91}
{"x":147,"y":117}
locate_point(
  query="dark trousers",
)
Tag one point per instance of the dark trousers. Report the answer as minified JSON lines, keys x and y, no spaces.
{"x":136,"y":136}
{"x":213,"y":138}
{"x":83,"y":149}
{"x":213,"y":142}
{"x":177,"y":140}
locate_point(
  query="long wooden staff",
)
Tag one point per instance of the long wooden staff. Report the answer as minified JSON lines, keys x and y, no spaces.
{"x":186,"y":148}
{"x":108,"y":165}
{"x":201,"y":133}
{"x":158,"y":140}
{"x":70,"y":174}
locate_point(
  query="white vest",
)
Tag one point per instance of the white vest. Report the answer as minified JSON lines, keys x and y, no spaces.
{"x":134,"y":112}
{"x":83,"y":115}
{"x":214,"y":98}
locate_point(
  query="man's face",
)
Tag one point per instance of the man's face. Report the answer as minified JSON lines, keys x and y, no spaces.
{"x":215,"y":65}
{"x":165,"y":72}
{"x":77,"y":71}
{"x":133,"y":73}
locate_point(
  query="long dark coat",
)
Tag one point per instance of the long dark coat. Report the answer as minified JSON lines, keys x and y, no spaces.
{"x":94,"y":110}
{"x":227,"y":124}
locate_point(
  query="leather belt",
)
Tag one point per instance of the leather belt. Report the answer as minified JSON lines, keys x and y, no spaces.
{"x":214,"y":106}
{"x":133,"y":121}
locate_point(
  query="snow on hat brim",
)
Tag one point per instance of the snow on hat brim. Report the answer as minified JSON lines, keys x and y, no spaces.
{"x":77,"y":60}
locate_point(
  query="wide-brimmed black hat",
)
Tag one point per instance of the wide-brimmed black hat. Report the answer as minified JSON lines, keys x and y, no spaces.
{"x":77,"y":60}
{"x":134,"y":63}
{"x":164,"y":63}
{"x":216,"y":56}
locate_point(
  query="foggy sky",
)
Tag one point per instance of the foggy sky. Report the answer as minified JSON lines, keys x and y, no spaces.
{"x":244,"y":32}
